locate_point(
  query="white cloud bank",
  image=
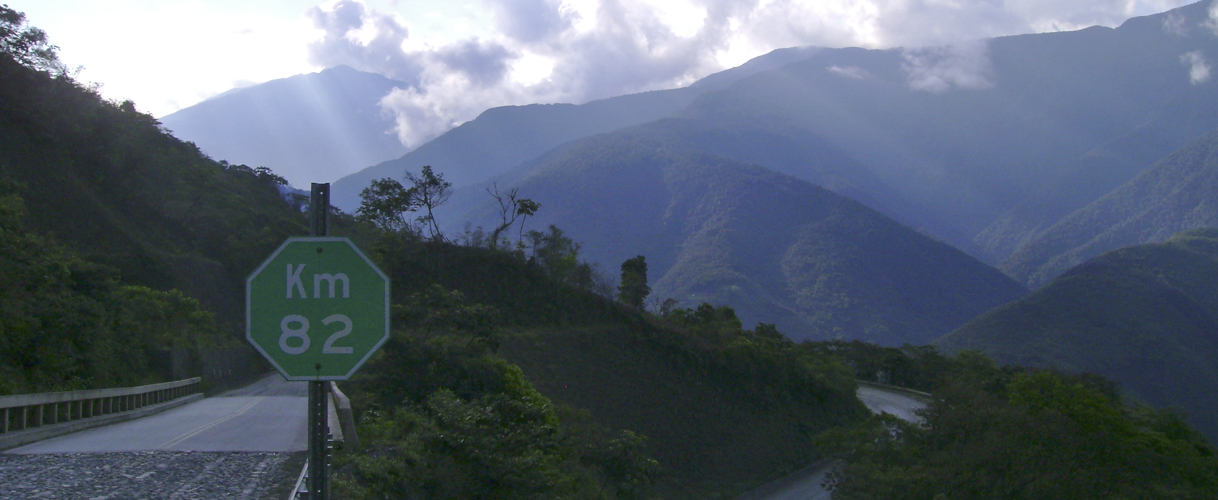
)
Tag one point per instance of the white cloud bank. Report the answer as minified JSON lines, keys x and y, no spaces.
{"x":581,"y":50}
{"x":964,"y":65}
{"x":1198,"y":69}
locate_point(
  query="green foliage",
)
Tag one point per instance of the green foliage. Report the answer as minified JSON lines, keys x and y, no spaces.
{"x":633,"y":289}
{"x":511,"y":208}
{"x":448,"y":419}
{"x":66,"y":323}
{"x":914,"y":367}
{"x":383,"y":204}
{"x":558,"y":256}
{"x":1041,"y":435}
{"x":110,"y":183}
{"x":700,"y":389}
{"x":27,"y":44}
{"x":703,"y":401}
{"x":429,"y":190}
{"x":1143,"y":316}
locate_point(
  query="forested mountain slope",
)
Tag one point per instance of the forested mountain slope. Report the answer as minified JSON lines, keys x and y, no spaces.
{"x":104,"y":179}
{"x":775,"y":248}
{"x":966,"y":152}
{"x":1144,"y":316}
{"x":1179,"y":192}
{"x":1097,"y":173}
{"x":721,"y":408}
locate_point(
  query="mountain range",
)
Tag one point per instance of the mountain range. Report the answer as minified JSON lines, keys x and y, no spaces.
{"x":778,"y":249}
{"x":1177,"y":193}
{"x":307,"y":128}
{"x":996,"y":147}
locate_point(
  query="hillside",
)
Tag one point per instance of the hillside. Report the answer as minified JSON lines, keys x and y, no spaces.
{"x":1098,"y":172}
{"x":105,"y":180}
{"x":314,"y":127}
{"x":775,"y":248}
{"x":721,"y":409}
{"x":1178,"y":193}
{"x":1143,"y":316}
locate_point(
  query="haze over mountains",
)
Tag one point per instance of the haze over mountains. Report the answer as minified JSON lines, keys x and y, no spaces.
{"x":307,"y":128}
{"x":990,"y":147}
{"x":1177,"y":193}
{"x":777,"y":249}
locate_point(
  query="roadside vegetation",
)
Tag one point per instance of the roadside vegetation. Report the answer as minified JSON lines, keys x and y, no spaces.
{"x":1010,"y":432}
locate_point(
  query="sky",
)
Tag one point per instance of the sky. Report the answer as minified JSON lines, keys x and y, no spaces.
{"x":457,"y":58}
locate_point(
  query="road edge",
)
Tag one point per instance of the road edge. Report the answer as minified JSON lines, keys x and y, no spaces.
{"x":16,"y":439}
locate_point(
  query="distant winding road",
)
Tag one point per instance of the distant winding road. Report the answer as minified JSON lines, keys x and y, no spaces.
{"x":806,"y":484}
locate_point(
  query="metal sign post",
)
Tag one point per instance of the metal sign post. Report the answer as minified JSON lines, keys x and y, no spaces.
{"x":317,"y":309}
{"x":319,"y":460}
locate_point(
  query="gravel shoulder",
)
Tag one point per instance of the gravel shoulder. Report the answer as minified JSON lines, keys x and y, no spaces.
{"x":150,"y":474}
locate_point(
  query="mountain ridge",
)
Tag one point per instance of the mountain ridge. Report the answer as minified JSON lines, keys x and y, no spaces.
{"x":717,"y":230}
{"x":1143,"y":316}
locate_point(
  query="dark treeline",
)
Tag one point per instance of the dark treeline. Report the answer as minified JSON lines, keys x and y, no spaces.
{"x":1015,"y":433}
{"x":1010,"y":432}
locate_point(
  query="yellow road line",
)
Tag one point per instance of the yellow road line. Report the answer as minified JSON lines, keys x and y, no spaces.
{"x":204,"y":427}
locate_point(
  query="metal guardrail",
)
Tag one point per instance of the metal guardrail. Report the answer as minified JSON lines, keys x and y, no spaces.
{"x":346,"y":419}
{"x":27,"y":411}
{"x":342,"y":430}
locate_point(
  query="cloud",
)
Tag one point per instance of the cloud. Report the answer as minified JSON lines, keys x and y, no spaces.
{"x":1174,"y":24}
{"x":531,"y":20}
{"x":1198,"y":69}
{"x":849,"y":71}
{"x":1211,"y":23}
{"x":963,"y":65}
{"x":483,"y":63}
{"x":365,"y":40}
{"x":535,"y":51}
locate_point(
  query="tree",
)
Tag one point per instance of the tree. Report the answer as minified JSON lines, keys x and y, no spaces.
{"x":382,"y":204}
{"x":558,"y":256}
{"x":385,"y":202}
{"x":510,"y":209}
{"x":27,"y":44}
{"x":633,"y":289}
{"x":429,"y":190}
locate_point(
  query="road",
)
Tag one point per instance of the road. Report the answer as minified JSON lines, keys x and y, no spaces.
{"x":806,"y":484}
{"x":266,"y":416}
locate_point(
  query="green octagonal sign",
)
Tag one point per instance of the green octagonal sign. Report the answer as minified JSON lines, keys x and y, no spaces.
{"x":317,"y":308}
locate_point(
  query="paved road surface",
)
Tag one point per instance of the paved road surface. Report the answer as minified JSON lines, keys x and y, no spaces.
{"x":900,"y":405}
{"x":267,"y":416}
{"x":806,"y":484}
